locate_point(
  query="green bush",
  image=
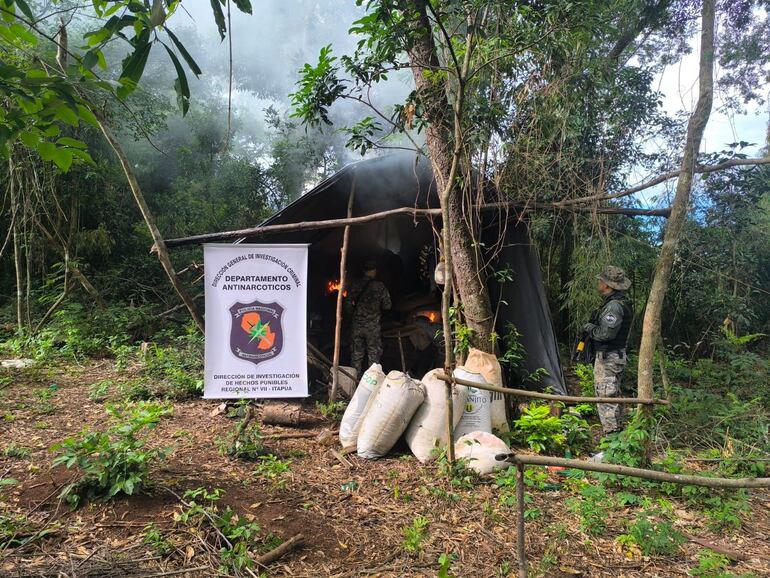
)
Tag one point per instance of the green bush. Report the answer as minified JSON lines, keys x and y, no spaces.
{"x":414,"y":535}
{"x":592,"y":507}
{"x":544,"y":432}
{"x":653,"y":534}
{"x":115,"y":461}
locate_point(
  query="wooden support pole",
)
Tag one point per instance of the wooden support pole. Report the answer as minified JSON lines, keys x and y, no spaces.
{"x":519,"y":209}
{"x":550,"y":396}
{"x":521,"y":547}
{"x":687,"y":480}
{"x":321,"y":357}
{"x":340,"y":295}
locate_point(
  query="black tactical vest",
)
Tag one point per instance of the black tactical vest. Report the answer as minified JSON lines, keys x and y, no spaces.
{"x":619,"y":341}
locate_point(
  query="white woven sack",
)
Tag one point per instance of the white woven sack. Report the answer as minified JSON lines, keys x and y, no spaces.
{"x":390,"y":414}
{"x":487,"y":365}
{"x":479,"y":448}
{"x":427,"y":430}
{"x":361,"y":401}
{"x":478,"y":412}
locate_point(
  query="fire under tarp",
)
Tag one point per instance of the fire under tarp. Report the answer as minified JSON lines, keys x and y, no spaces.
{"x":405,"y":249}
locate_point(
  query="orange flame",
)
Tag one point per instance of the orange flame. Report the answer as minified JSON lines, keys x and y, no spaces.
{"x":432,"y":316}
{"x":334,"y":286}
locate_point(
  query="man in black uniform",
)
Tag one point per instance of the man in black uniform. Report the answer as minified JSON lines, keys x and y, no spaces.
{"x":608,"y":330}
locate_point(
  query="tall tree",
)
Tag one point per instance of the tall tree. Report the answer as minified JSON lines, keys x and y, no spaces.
{"x":681,"y":203}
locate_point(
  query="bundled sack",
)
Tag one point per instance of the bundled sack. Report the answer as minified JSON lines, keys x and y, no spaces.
{"x":477,"y":415}
{"x":487,"y":365}
{"x":389,"y":415}
{"x":362,"y":400}
{"x":427,"y":429}
{"x":479,"y":448}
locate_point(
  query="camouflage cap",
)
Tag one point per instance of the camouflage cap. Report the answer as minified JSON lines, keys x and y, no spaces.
{"x":615,"y":277}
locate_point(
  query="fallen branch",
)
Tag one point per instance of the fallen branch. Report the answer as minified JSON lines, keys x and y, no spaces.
{"x":732,"y":554}
{"x":550,"y":396}
{"x":299,"y":435}
{"x":281,"y":550}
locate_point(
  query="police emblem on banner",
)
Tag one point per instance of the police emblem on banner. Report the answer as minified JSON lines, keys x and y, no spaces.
{"x":256,"y":332}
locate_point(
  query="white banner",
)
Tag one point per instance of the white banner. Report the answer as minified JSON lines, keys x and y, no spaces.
{"x":256,"y":321}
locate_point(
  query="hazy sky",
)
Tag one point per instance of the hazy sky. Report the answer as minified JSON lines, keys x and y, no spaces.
{"x":273,"y":44}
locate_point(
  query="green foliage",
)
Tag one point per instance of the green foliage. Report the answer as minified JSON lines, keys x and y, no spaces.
{"x":156,"y":541}
{"x":653,"y":534}
{"x":714,"y":565}
{"x":332,"y":410}
{"x":202,"y":511}
{"x":13,"y":450}
{"x":246,"y":444}
{"x":178,"y":367}
{"x":98,"y":390}
{"x":16,"y":531}
{"x":544,"y":432}
{"x":274,"y":470}
{"x":445,"y":565}
{"x":592,"y":508}
{"x":415,"y":535}
{"x":115,"y":461}
{"x":585,"y":375}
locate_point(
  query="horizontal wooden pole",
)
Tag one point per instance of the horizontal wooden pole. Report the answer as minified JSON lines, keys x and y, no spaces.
{"x":553,"y":397}
{"x":635,"y":472}
{"x":408,"y":211}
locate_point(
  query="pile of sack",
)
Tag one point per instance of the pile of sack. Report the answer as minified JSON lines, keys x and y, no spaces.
{"x":385,"y":407}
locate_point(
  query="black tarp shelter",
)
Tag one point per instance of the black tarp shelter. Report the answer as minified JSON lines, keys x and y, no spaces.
{"x":405,"y":248}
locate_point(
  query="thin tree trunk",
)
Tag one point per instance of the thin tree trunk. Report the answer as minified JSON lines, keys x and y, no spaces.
{"x":149,"y":219}
{"x":341,"y":296}
{"x":662,"y":275}
{"x":76,"y":273}
{"x":16,"y":246}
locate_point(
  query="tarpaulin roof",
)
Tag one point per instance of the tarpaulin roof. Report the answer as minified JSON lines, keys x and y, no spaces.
{"x":399,"y":243}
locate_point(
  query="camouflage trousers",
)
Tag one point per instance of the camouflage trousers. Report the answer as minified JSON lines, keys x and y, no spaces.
{"x":366,"y":338}
{"x":608,"y":376}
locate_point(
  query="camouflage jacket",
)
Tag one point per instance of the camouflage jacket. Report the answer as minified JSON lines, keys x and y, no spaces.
{"x":367,"y":299}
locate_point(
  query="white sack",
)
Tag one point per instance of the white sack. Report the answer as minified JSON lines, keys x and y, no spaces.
{"x":477,"y":415}
{"x":362,"y":400}
{"x":390,"y":413}
{"x":427,"y":429}
{"x":480,"y":449}
{"x":487,"y":365}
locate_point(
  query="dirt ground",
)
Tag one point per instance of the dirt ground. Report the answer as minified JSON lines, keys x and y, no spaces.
{"x":349,"y":529}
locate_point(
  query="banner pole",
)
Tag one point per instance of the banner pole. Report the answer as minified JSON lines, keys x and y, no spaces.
{"x":340,"y":295}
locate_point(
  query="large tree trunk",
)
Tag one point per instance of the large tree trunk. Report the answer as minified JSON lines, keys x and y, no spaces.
{"x":695,"y":128}
{"x":149,"y":219}
{"x":443,"y":137}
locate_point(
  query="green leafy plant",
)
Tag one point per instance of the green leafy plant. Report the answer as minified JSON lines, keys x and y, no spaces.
{"x":714,"y":565}
{"x":154,"y":538}
{"x":332,"y":410}
{"x":243,"y":443}
{"x":415,"y":534}
{"x":273,"y":469}
{"x":653,"y":534}
{"x":99,"y":390}
{"x":585,"y":375}
{"x":541,"y":430}
{"x":592,"y":507}
{"x":114,"y":461}
{"x":14,"y":450}
{"x":234,"y":536}
{"x":445,"y":562}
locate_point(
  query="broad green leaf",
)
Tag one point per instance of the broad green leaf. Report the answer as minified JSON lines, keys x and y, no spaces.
{"x":71,"y":142}
{"x":133,"y":66}
{"x":219,"y":17}
{"x":87,"y":116}
{"x":186,"y":55}
{"x":66,"y":114}
{"x":243,"y":5}
{"x":180,"y":85}
{"x":30,"y":139}
{"x":24,"y":7}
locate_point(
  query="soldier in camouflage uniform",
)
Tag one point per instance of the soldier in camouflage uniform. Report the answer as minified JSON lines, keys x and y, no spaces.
{"x":367,"y":298}
{"x":608,"y":331}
